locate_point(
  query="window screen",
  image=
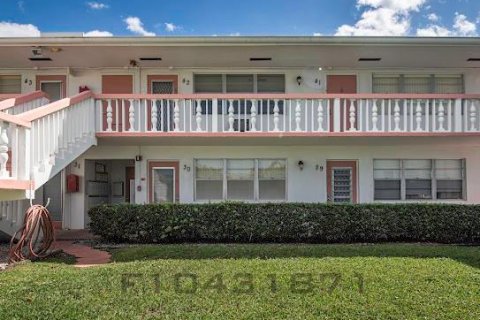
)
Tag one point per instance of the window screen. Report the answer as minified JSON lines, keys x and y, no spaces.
{"x":10,"y":84}
{"x":209,"y":179}
{"x":272,"y":179}
{"x":240,"y":179}
{"x":387,"y":179}
{"x":239,"y":83}
{"x":208,"y":83}
{"x":386,"y":84}
{"x":271,"y":83}
{"x":449,"y":177}
{"x":449,"y":84}
{"x":417,"y":84}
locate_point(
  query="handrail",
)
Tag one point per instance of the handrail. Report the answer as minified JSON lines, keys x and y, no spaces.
{"x":290,"y":96}
{"x":14,"y":119}
{"x":21,"y":99}
{"x":5,"y":96}
{"x":53,"y":107}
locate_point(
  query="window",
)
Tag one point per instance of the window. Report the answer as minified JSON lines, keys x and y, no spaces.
{"x":240,"y":179}
{"x":209,"y":179}
{"x":10,"y":84}
{"x":243,"y":83}
{"x":418,"y":179}
{"x":239,"y":83}
{"x":208,"y":83}
{"x":271,"y":83}
{"x":407,"y":83}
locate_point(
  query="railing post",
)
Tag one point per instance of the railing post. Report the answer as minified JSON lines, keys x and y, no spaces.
{"x":457,"y":119}
{"x":320,"y":116}
{"x":176,"y":115}
{"x":337,"y":118}
{"x":231,"y":116}
{"x":199,"y":116}
{"x":441,"y":116}
{"x":3,"y":152}
{"x":298,"y":114}
{"x":253,"y":117}
{"x":109,"y":115}
{"x":418,"y":117}
{"x":276,"y":118}
{"x":154,"y":115}
{"x":353,"y":115}
{"x":374,"y":116}
{"x":214,"y":114}
{"x":396,"y":116}
{"x":473,"y":116}
{"x":131,"y":115}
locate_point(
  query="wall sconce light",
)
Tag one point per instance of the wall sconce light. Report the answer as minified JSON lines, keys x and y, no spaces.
{"x":186,"y":81}
{"x":186,"y":168}
{"x":138,"y":158}
{"x":319,"y":168}
{"x":299,"y":80}
{"x":301,"y":164}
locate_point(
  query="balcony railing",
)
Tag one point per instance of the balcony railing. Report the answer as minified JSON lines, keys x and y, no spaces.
{"x":287,"y":113}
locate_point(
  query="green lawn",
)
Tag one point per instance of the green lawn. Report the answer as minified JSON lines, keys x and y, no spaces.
{"x":210,"y":281}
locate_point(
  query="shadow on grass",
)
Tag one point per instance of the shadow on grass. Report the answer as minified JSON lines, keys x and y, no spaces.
{"x":469,"y":255}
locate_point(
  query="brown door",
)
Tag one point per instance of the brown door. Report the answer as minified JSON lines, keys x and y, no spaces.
{"x":55,"y":86}
{"x":163,"y":181}
{"x":112,"y":84}
{"x":341,"y":84}
{"x":342,"y":181}
{"x":129,"y":181}
{"x":162,"y":84}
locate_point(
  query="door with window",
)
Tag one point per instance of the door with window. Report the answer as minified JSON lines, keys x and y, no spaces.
{"x":113,"y":84}
{"x":342,"y":181}
{"x":53,"y":85}
{"x":164,"y":181}
{"x":162,"y":84}
{"x":341,"y":84}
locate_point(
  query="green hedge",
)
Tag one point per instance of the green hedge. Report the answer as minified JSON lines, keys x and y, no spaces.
{"x":286,"y":222}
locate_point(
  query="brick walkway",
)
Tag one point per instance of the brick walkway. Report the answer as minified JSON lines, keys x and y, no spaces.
{"x":85,"y":255}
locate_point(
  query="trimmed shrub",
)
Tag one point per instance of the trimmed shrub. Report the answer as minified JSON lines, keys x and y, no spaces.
{"x":286,"y":222}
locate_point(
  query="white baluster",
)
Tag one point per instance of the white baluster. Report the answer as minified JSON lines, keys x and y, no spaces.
{"x":441,"y":116}
{"x":298,"y":114}
{"x":109,"y":115}
{"x":396,"y":116}
{"x":198,"y":119}
{"x":154,"y":115}
{"x":418,"y":116}
{"x":352,"y":115}
{"x":3,"y":153}
{"x":176,"y":115}
{"x":320,"y":115}
{"x":253,"y":117}
{"x":276,"y":117}
{"x":231,"y":116}
{"x":131,"y":115}
{"x":374,"y":116}
{"x":473,"y":116}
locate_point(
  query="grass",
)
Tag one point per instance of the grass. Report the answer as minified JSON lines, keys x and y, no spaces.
{"x":211,"y":281}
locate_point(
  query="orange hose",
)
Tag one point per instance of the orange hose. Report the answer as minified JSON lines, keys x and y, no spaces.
{"x":36,"y":223}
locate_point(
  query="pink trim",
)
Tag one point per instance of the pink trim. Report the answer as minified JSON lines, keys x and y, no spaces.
{"x":21,"y":99}
{"x":15,"y":184}
{"x":54,"y":106}
{"x":55,"y":77}
{"x":5,"y":96}
{"x":289,"y":96}
{"x":14,"y":119}
{"x":284,"y":134}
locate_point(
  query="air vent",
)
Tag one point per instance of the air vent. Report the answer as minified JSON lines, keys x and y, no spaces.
{"x":40,"y":59}
{"x":473,"y":59}
{"x":261,"y":59}
{"x":151,"y":59}
{"x":369,"y":59}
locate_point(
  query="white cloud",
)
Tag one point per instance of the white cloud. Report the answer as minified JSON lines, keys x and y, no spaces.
{"x":382,"y":18}
{"x":97,"y":33}
{"x":317,"y":34}
{"x":461,"y":27}
{"x":170,"y":27}
{"x":433,"y":31}
{"x":464,"y":27}
{"x":234,"y":34}
{"x":433,"y":17}
{"x":135,"y":25}
{"x":10,"y":29}
{"x":97,"y":5}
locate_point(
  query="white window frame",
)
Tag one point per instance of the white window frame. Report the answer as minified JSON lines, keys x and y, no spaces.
{"x":256,"y":187}
{"x":403,"y":187}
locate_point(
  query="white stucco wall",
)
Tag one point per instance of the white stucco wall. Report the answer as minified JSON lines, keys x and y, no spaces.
{"x":307,"y":185}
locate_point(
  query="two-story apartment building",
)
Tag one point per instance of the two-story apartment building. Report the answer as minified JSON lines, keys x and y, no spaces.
{"x":300,"y":119}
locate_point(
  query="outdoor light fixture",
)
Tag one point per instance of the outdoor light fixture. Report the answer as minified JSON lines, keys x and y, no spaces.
{"x":299,"y":80}
{"x":300,"y":164}
{"x":138,"y":158}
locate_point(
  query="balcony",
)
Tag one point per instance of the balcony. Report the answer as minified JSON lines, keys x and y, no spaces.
{"x":287,"y":114}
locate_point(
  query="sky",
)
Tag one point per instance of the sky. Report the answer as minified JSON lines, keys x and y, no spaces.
{"x":241,"y":17}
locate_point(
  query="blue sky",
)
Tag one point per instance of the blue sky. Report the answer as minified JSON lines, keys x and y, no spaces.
{"x":241,"y":17}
